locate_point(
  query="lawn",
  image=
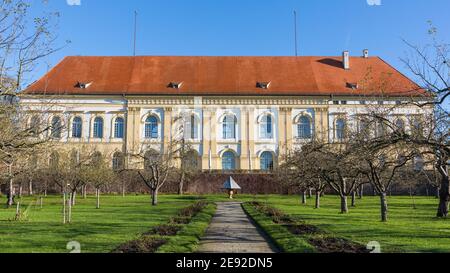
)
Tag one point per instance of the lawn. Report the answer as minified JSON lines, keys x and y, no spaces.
{"x":408,"y":229}
{"x":119,"y":219}
{"x":122,"y":219}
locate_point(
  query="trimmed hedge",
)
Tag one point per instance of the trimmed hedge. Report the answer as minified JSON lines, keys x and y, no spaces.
{"x":188,"y":238}
{"x":280,"y":235}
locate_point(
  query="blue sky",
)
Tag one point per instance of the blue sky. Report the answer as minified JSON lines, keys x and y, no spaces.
{"x":247,"y":27}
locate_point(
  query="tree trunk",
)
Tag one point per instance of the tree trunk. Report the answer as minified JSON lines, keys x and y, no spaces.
{"x":411,"y":195}
{"x":353,"y":198}
{"x":344,"y":205}
{"x":69,"y":208}
{"x":438,"y":189}
{"x":361,"y":191}
{"x":97,"y":192}
{"x":317,"y":205}
{"x":309,"y":193}
{"x":304,"y":197}
{"x":154,"y":197}
{"x":73,"y":198}
{"x":64,"y":208}
{"x":20,"y":190}
{"x":123,"y":189}
{"x":84,"y":191}
{"x":384,"y":207}
{"x":11,"y":193}
{"x":30,"y":187}
{"x":444,"y":197}
{"x":40,"y":201}
{"x":181,"y":184}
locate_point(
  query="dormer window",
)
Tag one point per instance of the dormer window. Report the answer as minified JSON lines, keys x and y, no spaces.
{"x":175,"y":85}
{"x":263,"y":85}
{"x":83,"y":85}
{"x":352,"y":85}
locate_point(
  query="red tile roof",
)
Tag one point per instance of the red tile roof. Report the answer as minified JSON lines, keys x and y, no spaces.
{"x":151,"y":75}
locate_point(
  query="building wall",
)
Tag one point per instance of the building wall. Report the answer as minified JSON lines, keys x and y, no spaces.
{"x":248,"y":144}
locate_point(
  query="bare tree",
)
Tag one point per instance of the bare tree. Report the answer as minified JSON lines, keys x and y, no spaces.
{"x":23,"y":43}
{"x":97,"y":173}
{"x":430,"y":64}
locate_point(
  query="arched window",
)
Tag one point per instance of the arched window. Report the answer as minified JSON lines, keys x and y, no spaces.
{"x":150,"y":159}
{"x":119,"y":128}
{"x":151,"y":127}
{"x":118,"y":161}
{"x":74,"y":158}
{"x":53,"y":161}
{"x":191,"y":127}
{"x":400,"y":125}
{"x":304,"y":128}
{"x":97,"y":158}
{"x":417,"y":127}
{"x":190,"y":160}
{"x":77,"y":127}
{"x":266,"y":127}
{"x":380,"y":129}
{"x":229,"y":127}
{"x":228,"y":161}
{"x":34,"y":125}
{"x":418,"y":163}
{"x":98,"y":127}
{"x":340,"y":129}
{"x":56,"y":127}
{"x":266,"y":161}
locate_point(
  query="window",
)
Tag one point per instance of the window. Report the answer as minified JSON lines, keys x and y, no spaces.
{"x":266,"y":161}
{"x":380,"y":129}
{"x":34,"y":125}
{"x":53,"y":160}
{"x":190,"y":160}
{"x":151,"y":128}
{"x":417,"y":127}
{"x":263,"y":85}
{"x":418,"y":163}
{"x":74,"y":158}
{"x":304,"y":128}
{"x":336,"y":102}
{"x":228,"y":161}
{"x":340,"y":129}
{"x":97,"y":159}
{"x":344,"y":102}
{"x":98,"y":127}
{"x":77,"y":127}
{"x":150,"y":159}
{"x":266,"y":127}
{"x":118,"y":161}
{"x":229,"y":127}
{"x":119,"y":128}
{"x":56,"y":127}
{"x":400,"y":125}
{"x":191,"y":130}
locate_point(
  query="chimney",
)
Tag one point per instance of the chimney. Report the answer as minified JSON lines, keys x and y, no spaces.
{"x":346,"y":60}
{"x":365,"y":53}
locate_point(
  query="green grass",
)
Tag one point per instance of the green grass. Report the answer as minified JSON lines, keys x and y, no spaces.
{"x":408,"y":229}
{"x":97,"y":230}
{"x":282,"y":238}
{"x":124,"y":219}
{"x":187,"y":240}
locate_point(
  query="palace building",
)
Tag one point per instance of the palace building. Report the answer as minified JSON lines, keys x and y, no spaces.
{"x":237,"y":113}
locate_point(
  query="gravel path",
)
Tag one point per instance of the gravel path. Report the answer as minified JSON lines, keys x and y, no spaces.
{"x":232,"y":231}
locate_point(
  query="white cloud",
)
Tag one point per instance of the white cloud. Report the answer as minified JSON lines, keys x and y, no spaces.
{"x":73,"y":2}
{"x":374,"y":2}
